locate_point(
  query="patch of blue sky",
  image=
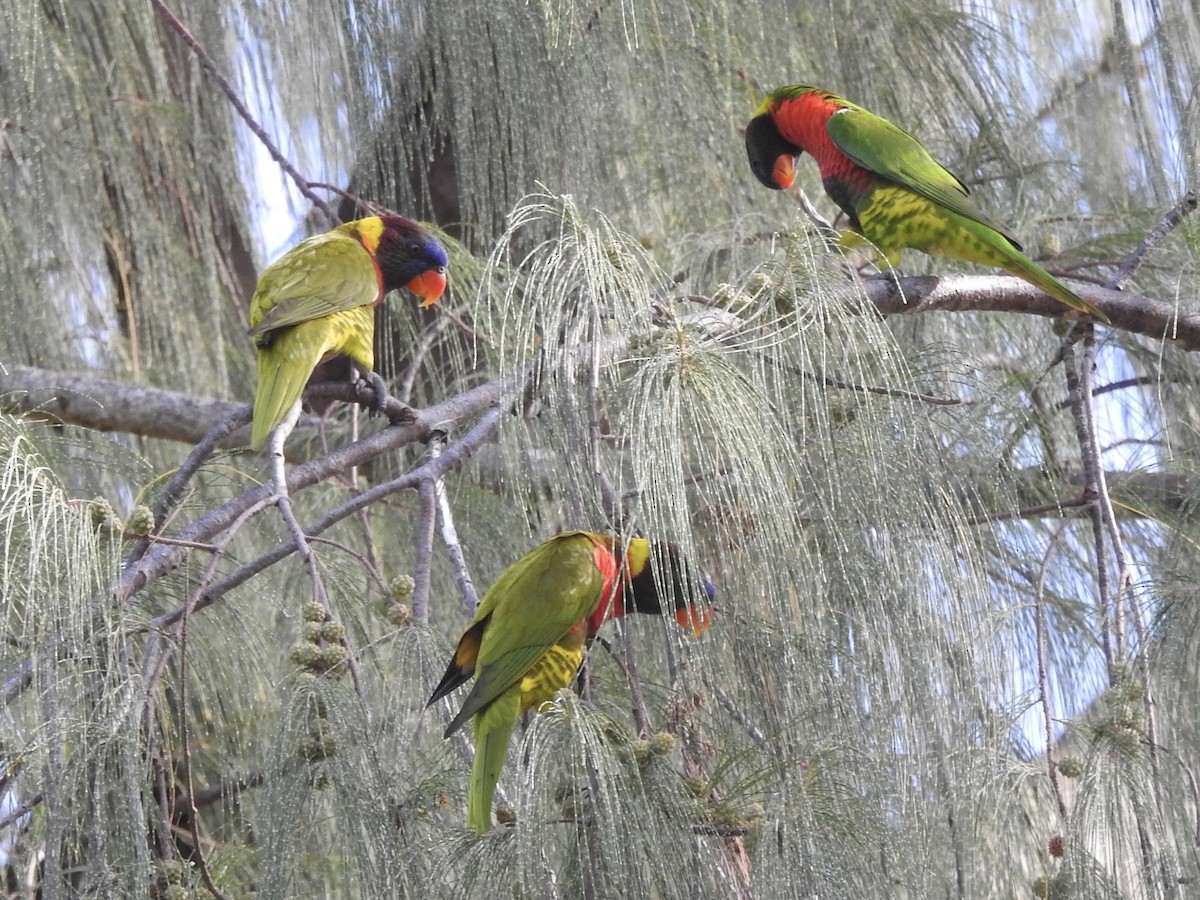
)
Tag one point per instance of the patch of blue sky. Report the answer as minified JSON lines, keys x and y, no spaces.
{"x":278,"y":209}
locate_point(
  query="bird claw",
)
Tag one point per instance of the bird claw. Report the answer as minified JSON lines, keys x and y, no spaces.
{"x":374,"y":395}
{"x":372,"y":392}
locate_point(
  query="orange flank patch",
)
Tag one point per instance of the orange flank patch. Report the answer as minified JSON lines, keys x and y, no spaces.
{"x":467,"y":652}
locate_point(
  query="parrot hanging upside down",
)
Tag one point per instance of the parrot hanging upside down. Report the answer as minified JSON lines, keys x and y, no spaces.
{"x":894,"y":192}
{"x":318,"y":301}
{"x":527,"y":639}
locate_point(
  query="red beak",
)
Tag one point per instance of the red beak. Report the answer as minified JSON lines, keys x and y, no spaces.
{"x":784,"y":172}
{"x":694,"y":619}
{"x":429,"y":285}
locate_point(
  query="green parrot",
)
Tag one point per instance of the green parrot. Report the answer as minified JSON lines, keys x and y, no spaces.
{"x":527,"y":639}
{"x":318,"y":301}
{"x":894,"y":192}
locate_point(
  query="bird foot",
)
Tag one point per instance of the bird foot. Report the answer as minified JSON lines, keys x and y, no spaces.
{"x":372,"y":392}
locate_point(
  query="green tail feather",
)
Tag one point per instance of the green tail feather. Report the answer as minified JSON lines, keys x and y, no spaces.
{"x":493,"y":729}
{"x":896,"y":217}
{"x":283,"y":372}
{"x":1025,"y":268}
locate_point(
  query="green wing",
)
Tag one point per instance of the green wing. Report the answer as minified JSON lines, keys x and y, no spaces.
{"x":324,"y":274}
{"x":888,"y":150}
{"x":533,"y":605}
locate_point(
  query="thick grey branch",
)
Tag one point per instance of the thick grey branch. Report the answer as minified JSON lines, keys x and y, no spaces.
{"x":161,"y":558}
{"x":971,"y":293}
{"x":105,"y":404}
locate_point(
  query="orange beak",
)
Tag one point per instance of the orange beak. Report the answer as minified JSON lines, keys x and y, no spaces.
{"x":784,"y":171}
{"x":429,"y":286}
{"x":694,"y":619}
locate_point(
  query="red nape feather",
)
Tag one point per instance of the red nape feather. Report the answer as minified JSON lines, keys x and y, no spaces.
{"x":802,"y":120}
{"x":612,"y":593}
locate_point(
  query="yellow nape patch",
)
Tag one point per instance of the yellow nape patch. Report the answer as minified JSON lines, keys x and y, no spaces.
{"x":637,"y":556}
{"x":769,"y":105}
{"x":369,"y":231}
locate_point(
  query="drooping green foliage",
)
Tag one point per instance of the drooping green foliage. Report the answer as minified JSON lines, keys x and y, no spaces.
{"x":910,"y":604}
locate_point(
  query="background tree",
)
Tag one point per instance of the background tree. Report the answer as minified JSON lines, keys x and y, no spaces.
{"x":953,"y":651}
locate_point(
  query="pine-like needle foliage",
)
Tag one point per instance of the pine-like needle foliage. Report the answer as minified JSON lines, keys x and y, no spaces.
{"x":939,"y":663}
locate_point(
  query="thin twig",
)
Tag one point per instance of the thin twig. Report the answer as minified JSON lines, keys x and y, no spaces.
{"x":1169,"y":223}
{"x":158,"y":768}
{"x":423,"y":548}
{"x":154,"y":664}
{"x":1089,"y":456}
{"x":449,"y":459}
{"x":171,"y":494}
{"x":1039,"y":627}
{"x":371,"y":207}
{"x":171,"y":542}
{"x":186,"y":761}
{"x":730,"y":707}
{"x":53,"y":784}
{"x":20,"y":812}
{"x":284,"y":503}
{"x":462,"y":575}
{"x":1079,"y":371}
{"x":1120,"y":385}
{"x":1124,"y":582}
{"x":1032,"y":512}
{"x":828,"y":381}
{"x":367,"y":564}
{"x":206,"y":62}
{"x":898,"y":393}
{"x":637,"y":700}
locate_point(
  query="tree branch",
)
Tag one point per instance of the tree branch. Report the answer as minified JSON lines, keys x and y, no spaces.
{"x":106,"y":404}
{"x":1169,"y":223}
{"x":466,"y":585}
{"x":435,"y":468}
{"x":1133,"y":313}
{"x":206,"y":62}
{"x":161,"y":559}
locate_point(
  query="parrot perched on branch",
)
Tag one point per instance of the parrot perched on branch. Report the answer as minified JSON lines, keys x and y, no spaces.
{"x":894,"y":192}
{"x":527,"y":639}
{"x":318,"y":301}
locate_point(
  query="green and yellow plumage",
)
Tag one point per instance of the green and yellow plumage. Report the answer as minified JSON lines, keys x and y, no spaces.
{"x":524,"y":644}
{"x":318,"y":301}
{"x":895,"y":194}
{"x":527,"y":638}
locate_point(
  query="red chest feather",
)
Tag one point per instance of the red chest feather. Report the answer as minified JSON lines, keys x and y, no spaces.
{"x":612,"y":601}
{"x":802,"y":120}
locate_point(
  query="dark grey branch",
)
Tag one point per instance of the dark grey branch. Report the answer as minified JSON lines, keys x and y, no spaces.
{"x":1000,"y":293}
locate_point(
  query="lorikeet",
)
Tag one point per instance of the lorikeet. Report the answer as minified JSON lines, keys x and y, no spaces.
{"x":318,"y":300}
{"x":894,"y":192}
{"x":527,"y":638}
